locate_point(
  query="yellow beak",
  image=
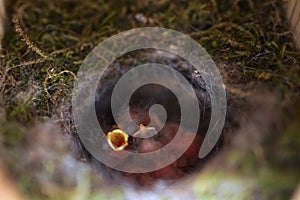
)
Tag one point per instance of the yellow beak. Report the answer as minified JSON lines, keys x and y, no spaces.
{"x":117,"y":139}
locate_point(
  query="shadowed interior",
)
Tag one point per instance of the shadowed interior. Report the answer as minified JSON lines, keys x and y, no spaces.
{"x":140,"y":102}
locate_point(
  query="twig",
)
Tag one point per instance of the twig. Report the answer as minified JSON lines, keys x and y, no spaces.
{"x":30,"y":44}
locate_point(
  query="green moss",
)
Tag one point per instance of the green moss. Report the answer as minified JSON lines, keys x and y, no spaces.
{"x":100,"y":196}
{"x":287,"y":142}
{"x":10,"y":134}
{"x":250,"y":38}
{"x":277,"y":184}
{"x":214,"y":185}
{"x":66,"y":31}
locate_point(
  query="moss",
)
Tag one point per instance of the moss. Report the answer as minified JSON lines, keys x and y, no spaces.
{"x":10,"y":134}
{"x":257,"y":181}
{"x":223,"y":185}
{"x":282,"y":155}
{"x":62,"y":33}
{"x":277,"y":184}
{"x":47,"y":41}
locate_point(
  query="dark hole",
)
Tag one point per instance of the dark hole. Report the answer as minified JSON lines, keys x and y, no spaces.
{"x":151,"y":94}
{"x":140,"y":102}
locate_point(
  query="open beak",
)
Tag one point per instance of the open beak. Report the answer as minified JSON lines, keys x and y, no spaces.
{"x":117,"y":139}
